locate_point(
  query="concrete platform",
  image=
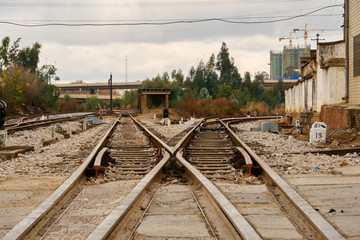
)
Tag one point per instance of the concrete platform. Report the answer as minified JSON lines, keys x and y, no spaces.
{"x":21,"y":195}
{"x":256,"y":204}
{"x":173,"y":214}
{"x":336,"y":197}
{"x":13,"y":151}
{"x":89,"y":209}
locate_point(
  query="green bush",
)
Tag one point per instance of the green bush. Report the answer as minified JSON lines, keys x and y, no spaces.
{"x":93,"y":103}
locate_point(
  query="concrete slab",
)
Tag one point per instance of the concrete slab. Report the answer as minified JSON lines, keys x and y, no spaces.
{"x":318,"y":179}
{"x":269,"y":221}
{"x":335,"y":196}
{"x":173,"y":213}
{"x":349,"y":170}
{"x":348,"y":224}
{"x":269,"y":209}
{"x":174,"y":199}
{"x":13,"y":151}
{"x":284,"y":234}
{"x":183,"y":208}
{"x":245,"y":198}
{"x":260,"y":209}
{"x":187,"y":226}
{"x":21,"y":195}
{"x":250,"y":189}
{"x":332,"y":195}
{"x":90,"y":208}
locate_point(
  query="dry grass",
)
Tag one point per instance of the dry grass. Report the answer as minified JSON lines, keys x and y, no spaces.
{"x":207,"y":108}
{"x":66,"y":107}
{"x":260,"y":107}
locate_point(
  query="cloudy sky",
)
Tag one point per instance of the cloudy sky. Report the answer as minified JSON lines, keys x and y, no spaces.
{"x":90,"y":53}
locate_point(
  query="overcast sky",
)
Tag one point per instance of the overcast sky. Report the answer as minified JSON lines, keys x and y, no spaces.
{"x":91,"y":53}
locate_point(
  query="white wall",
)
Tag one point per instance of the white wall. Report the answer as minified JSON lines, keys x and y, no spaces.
{"x":329,"y":80}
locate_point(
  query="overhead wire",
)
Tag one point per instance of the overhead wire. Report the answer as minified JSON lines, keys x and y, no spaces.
{"x":153,"y":23}
{"x":138,"y":4}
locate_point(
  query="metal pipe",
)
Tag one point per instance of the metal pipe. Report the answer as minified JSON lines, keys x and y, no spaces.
{"x":110,"y":83}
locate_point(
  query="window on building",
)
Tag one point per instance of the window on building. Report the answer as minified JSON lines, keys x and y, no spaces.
{"x":357,"y":56}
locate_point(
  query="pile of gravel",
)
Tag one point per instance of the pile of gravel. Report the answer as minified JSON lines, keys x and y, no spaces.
{"x":60,"y":158}
{"x":286,"y":155}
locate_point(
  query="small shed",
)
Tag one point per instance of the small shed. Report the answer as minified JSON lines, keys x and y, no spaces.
{"x":142,"y":103}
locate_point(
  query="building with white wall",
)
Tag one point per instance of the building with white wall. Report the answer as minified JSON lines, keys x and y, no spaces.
{"x":322,"y":83}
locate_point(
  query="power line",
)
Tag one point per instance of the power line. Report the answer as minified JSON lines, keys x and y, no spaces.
{"x":154,"y":20}
{"x":184,"y":21}
{"x":189,"y":3}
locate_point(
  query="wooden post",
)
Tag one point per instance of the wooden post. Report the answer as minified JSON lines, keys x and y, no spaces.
{"x":167,"y":100}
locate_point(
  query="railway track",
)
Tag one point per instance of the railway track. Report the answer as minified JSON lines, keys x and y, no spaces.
{"x":250,"y":208}
{"x":196,"y":189}
{"x":80,"y":200}
{"x":31,"y":124}
{"x":214,"y":154}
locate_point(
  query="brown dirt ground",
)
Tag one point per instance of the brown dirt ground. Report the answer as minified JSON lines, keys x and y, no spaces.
{"x":336,"y":138}
{"x":149,"y":116}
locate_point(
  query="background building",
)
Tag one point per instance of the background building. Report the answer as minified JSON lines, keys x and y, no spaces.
{"x":354,"y":51}
{"x":286,"y":64}
{"x":275,"y":64}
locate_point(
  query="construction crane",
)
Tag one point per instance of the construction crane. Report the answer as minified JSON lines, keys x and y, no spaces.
{"x":290,"y":40}
{"x":306,"y":30}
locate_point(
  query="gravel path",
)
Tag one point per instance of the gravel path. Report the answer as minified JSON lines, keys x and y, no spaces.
{"x":172,"y":130}
{"x":60,"y":158}
{"x":277,"y":151}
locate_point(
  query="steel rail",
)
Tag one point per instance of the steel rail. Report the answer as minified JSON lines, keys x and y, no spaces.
{"x":323,"y":227}
{"x":186,"y":138}
{"x":159,"y":142}
{"x":24,"y":226}
{"x":240,"y":223}
{"x":40,"y":123}
{"x":247,"y":119}
{"x":204,"y":215}
{"x":105,"y":228}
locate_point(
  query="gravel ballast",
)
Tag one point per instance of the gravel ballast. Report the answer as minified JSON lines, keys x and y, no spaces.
{"x":281,"y":152}
{"x":60,"y":158}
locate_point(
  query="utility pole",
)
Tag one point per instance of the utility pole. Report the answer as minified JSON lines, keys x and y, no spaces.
{"x":126,"y":74}
{"x":110,"y":83}
{"x":317,"y":39}
{"x":306,"y":30}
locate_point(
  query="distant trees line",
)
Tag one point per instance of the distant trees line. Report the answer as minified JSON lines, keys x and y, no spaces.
{"x":214,"y":87}
{"x":217,"y":78}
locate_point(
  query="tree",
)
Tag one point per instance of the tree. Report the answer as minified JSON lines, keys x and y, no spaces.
{"x":199,"y":77}
{"x":228,"y":71}
{"x":4,"y":52}
{"x":165,"y":77}
{"x":204,"y":94}
{"x":67,"y":98}
{"x":211,"y":77}
{"x":261,"y":76}
{"x":93,"y":103}
{"x":29,"y":57}
{"x":225,"y":91}
{"x":130,"y":99}
{"x":177,"y":76}
{"x":20,"y":75}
